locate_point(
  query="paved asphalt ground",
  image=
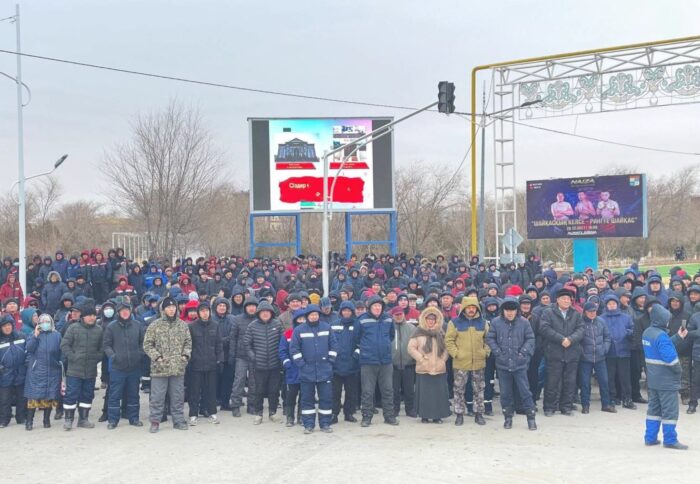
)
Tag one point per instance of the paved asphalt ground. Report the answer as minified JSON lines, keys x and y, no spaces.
{"x":598,"y":447}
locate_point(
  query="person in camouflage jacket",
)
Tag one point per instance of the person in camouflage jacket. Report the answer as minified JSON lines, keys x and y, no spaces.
{"x":169,"y":346}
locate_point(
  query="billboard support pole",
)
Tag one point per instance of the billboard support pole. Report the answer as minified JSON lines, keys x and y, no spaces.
{"x":296,"y":244}
{"x":390,"y":241}
{"x":585,"y":254}
{"x":324,"y":229}
{"x":369,"y":136}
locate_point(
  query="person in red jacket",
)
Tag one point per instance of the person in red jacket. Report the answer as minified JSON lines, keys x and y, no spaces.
{"x":11,"y":308}
{"x":186,"y":284}
{"x":11,"y":288}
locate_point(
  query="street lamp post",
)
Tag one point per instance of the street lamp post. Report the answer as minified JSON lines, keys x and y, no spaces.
{"x":22,"y":227}
{"x":367,"y":138}
{"x":20,"y":165}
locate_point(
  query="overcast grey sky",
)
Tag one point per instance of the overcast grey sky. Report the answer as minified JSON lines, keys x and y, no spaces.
{"x":372,"y":50}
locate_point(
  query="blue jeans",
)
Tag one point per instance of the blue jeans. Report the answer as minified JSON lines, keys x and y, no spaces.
{"x":119,"y":381}
{"x":308,"y":403}
{"x":510,"y":382}
{"x":585,"y":370}
{"x":79,"y":392}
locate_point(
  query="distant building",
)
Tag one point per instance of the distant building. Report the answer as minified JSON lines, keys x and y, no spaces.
{"x":295,"y":151}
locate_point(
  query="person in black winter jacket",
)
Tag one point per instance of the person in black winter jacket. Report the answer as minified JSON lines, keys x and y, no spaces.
{"x":238,"y":357}
{"x":207,"y":358}
{"x":693,"y":326}
{"x":261,"y":341}
{"x":221,"y":314}
{"x":562,"y":330}
{"x":82,"y":350}
{"x":641,"y":321}
{"x":512,"y":344}
{"x":123,"y":346}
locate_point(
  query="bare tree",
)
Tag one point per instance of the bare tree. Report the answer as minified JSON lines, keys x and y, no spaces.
{"x":163,"y":174}
{"x":424,"y":195}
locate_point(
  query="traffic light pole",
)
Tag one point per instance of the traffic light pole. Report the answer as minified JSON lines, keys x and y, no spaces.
{"x":369,"y":136}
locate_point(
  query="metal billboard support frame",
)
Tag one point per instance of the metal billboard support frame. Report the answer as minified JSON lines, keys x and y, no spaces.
{"x":391,"y":241}
{"x":297,"y":236}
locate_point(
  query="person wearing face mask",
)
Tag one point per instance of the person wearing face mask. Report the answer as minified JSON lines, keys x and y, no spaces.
{"x":12,"y":372}
{"x":82,"y":350}
{"x":42,"y":387}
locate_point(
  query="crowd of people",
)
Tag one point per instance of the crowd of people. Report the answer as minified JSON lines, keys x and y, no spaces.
{"x":434,"y":334}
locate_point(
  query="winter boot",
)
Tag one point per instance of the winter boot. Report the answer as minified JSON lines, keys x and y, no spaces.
{"x":334,"y":419}
{"x":391,"y":420}
{"x":29,"y":423}
{"x":488,"y":409}
{"x":68,"y":422}
{"x":366,"y":421}
{"x":692,"y":407}
{"x":83,"y":421}
{"x":508,"y":422}
{"x":531,"y":424}
{"x":47,"y":418}
{"x":479,"y":419}
{"x":103,"y":417}
{"x":470,"y":410}
{"x":236,"y":411}
{"x":459,"y":419}
{"x":59,"y":412}
{"x":629,"y":405}
{"x":677,"y":446}
{"x":290,"y":419}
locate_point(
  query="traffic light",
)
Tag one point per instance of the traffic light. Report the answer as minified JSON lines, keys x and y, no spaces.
{"x":446,"y":97}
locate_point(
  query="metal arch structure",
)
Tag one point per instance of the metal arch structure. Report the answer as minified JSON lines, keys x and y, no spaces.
{"x":650,"y":74}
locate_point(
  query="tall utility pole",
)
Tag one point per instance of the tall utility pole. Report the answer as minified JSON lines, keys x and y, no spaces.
{"x":20,"y":167}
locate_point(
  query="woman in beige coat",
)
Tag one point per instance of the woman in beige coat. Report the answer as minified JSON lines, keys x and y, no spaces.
{"x":427,"y":347}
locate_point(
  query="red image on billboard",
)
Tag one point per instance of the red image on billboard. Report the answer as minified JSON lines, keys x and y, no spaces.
{"x":310,"y":189}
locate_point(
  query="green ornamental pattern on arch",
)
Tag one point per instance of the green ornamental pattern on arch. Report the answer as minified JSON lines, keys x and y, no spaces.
{"x":646,"y":87}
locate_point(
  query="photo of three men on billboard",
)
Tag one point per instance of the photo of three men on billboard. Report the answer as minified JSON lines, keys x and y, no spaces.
{"x":608,"y":206}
